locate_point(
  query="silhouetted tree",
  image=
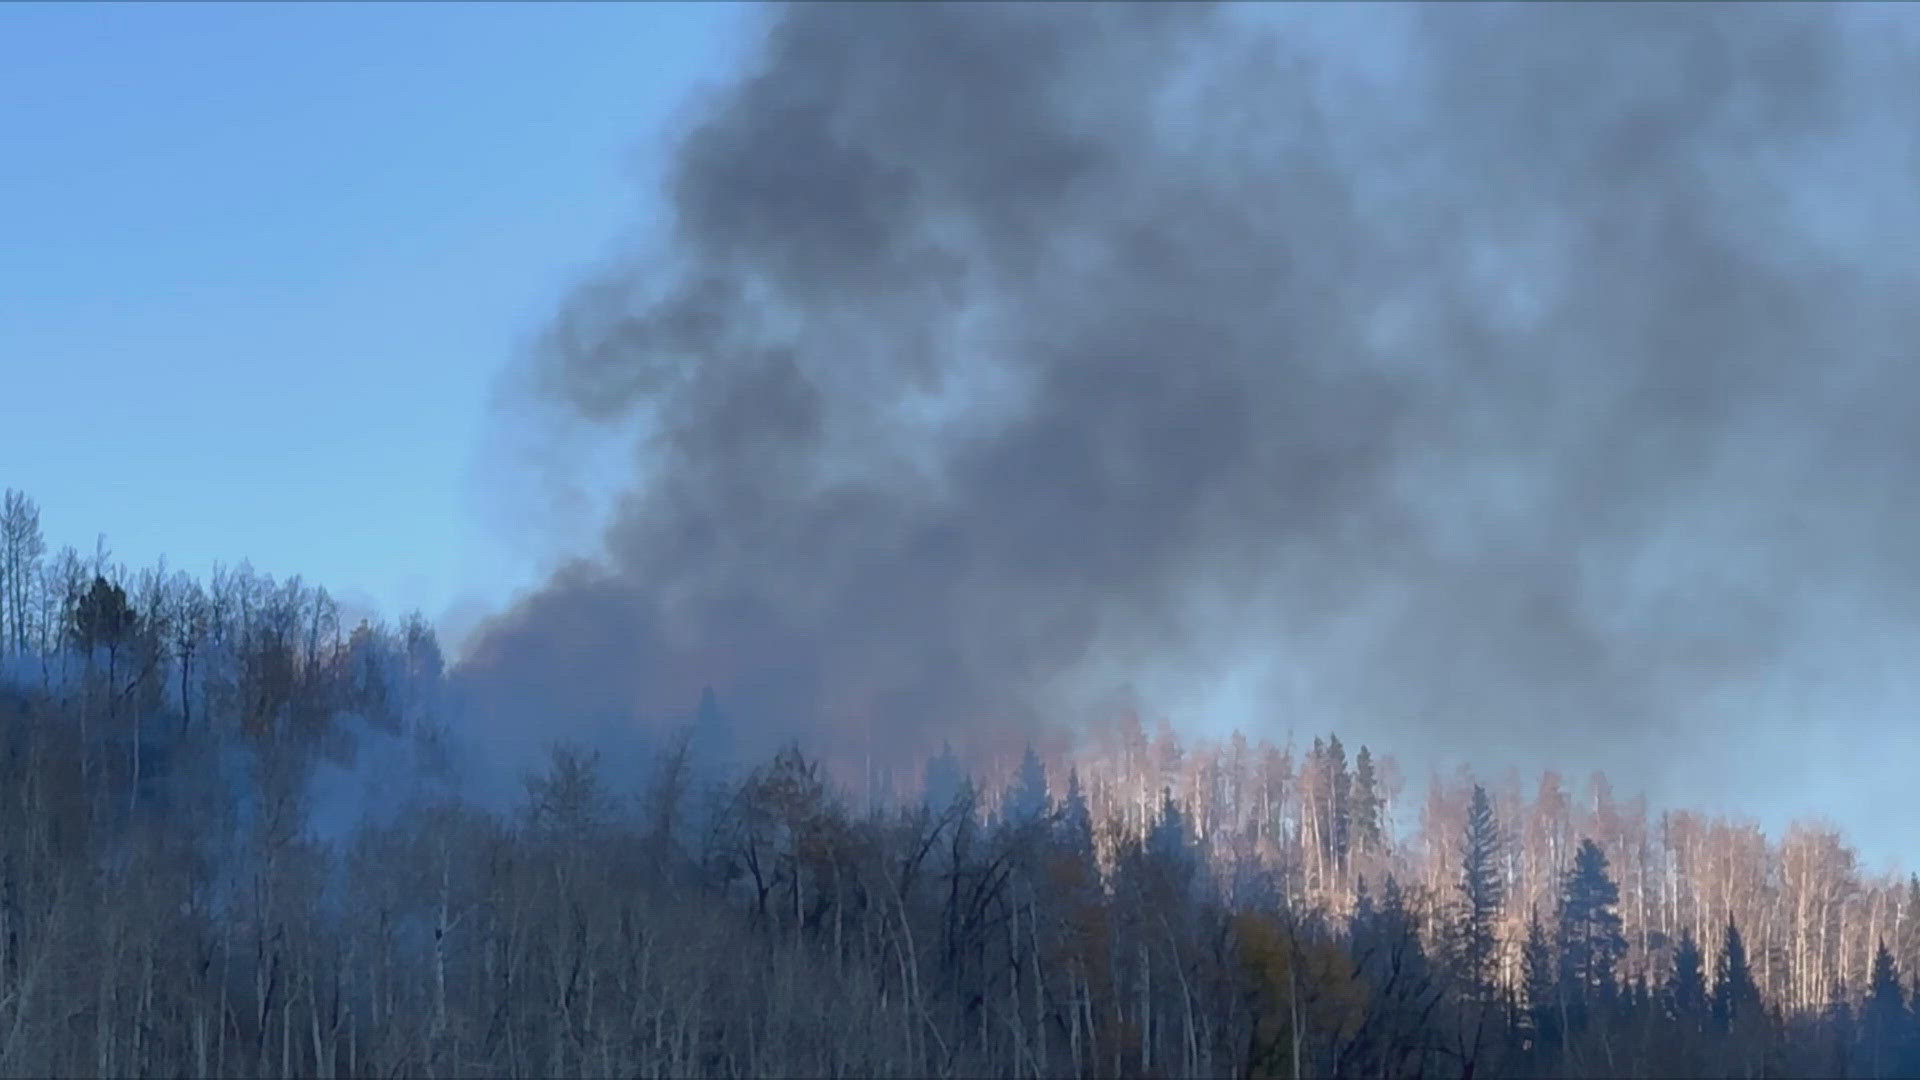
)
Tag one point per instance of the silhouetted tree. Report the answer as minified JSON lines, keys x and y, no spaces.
{"x":101,"y":617}
{"x":1735,"y":995}
{"x":1340,"y":791}
{"x":1367,"y":803}
{"x":1687,"y":985}
{"x":1481,"y":894}
{"x":1885,"y":1023}
{"x":1027,"y":799}
{"x":1541,"y":972}
{"x":1076,"y":818}
{"x":945,"y":781}
{"x":1591,"y":943}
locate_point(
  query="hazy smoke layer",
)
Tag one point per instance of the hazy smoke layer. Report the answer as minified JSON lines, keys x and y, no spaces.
{"x":1507,"y":379}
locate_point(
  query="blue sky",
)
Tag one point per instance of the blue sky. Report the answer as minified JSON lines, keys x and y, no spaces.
{"x":260,"y":266}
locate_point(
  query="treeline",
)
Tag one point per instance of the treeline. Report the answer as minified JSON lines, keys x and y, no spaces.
{"x":1140,"y":906}
{"x":1320,"y":823}
{"x":241,"y":648}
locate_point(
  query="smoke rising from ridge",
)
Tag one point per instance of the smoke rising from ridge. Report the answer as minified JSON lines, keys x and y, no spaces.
{"x":1534,"y":379}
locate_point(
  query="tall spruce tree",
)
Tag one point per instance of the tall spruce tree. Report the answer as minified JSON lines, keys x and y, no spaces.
{"x":1482,"y":891}
{"x":1735,"y":995}
{"x":1170,"y":846}
{"x":1340,"y":783}
{"x":1027,"y":799}
{"x":1367,"y":803}
{"x":1542,"y":988}
{"x":1885,"y":1023}
{"x":1687,"y":985}
{"x":1076,"y":818}
{"x":944,"y":781}
{"x":1591,"y":941}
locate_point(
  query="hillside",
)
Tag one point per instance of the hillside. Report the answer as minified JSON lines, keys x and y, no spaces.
{"x":237,"y":842}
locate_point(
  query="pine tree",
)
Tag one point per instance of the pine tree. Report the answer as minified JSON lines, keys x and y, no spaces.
{"x":1072,"y":838}
{"x":1883,"y":991}
{"x":1170,"y":846}
{"x":1687,"y":985}
{"x":1591,"y":942}
{"x":1171,"y":837}
{"x":945,"y":783}
{"x":1542,"y":984}
{"x":1076,"y":818}
{"x":1367,"y":803}
{"x":1341,"y":798}
{"x":1481,"y":894}
{"x":1885,"y":1021}
{"x":1736,"y":996}
{"x":101,"y":617}
{"x":1027,"y":799}
{"x":1841,"y":1030}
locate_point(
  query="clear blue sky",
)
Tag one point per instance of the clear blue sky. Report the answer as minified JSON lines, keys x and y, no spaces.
{"x":261,"y":265}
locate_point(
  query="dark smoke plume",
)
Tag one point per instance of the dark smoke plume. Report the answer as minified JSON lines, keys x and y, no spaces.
{"x":1537,"y":382}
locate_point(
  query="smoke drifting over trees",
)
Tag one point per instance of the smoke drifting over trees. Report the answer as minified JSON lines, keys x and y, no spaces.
{"x":1523,"y":384}
{"x":1514,"y":377}
{"x":239,"y":839}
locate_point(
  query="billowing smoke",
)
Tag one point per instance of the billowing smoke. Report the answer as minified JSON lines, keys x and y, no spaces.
{"x":1534,"y":382}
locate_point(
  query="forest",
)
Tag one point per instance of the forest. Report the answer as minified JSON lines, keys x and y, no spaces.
{"x":176,"y":900}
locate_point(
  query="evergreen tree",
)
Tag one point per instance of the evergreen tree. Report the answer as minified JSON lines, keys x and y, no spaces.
{"x":1542,"y":984}
{"x":1027,"y":799}
{"x":1481,"y":894}
{"x":1170,"y":846}
{"x":1077,"y":871}
{"x":1842,"y":1034}
{"x":1076,"y":818}
{"x":101,"y":617}
{"x":1170,"y":837}
{"x":945,"y":781}
{"x":1884,"y":1022}
{"x":1591,"y":941}
{"x":1340,"y":784}
{"x":1884,"y":995}
{"x":1367,"y":803}
{"x":1687,"y":985}
{"x":1735,"y":995}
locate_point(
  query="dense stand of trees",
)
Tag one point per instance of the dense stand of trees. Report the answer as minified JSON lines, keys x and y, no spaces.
{"x":170,"y":904}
